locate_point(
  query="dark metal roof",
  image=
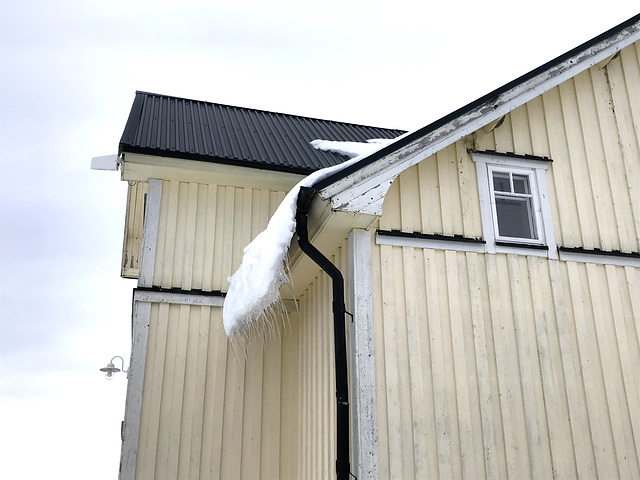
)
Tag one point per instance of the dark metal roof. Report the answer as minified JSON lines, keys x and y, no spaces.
{"x":191,"y":129}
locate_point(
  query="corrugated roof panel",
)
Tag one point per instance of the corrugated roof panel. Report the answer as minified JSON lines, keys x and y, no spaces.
{"x":182,"y":128}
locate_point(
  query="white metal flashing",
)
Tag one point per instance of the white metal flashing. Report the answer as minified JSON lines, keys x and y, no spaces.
{"x":364,"y":423}
{"x":563,"y":255}
{"x":618,"y":260}
{"x":364,"y":190}
{"x":436,"y":244}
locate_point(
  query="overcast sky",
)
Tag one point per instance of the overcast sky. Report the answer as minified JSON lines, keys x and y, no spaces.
{"x":68,"y":74}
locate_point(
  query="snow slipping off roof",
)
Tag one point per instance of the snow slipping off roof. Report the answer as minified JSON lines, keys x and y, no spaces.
{"x":253,"y":298}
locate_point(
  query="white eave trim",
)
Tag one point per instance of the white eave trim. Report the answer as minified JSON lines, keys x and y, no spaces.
{"x":432,"y":243}
{"x":179,"y":298}
{"x":364,"y":190}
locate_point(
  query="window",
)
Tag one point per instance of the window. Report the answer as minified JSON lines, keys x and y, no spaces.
{"x":514,"y":204}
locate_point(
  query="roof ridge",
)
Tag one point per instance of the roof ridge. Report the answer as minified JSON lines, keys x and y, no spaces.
{"x":270,"y":112}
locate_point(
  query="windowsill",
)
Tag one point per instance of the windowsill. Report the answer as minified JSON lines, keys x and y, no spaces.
{"x":532,"y":250}
{"x":536,"y":246}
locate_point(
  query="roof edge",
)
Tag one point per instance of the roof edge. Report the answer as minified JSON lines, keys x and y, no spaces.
{"x":133,"y":121}
{"x":568,"y":65}
{"x":270,"y":112}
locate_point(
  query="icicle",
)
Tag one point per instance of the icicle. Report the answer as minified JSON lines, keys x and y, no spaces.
{"x":253,"y":308}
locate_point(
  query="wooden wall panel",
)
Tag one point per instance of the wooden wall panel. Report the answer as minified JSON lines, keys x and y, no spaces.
{"x":505,"y":365}
{"x":317,"y":392}
{"x":589,"y":126}
{"x":203,"y":230}
{"x":211,"y":412}
{"x":133,"y":229}
{"x":438,"y":195}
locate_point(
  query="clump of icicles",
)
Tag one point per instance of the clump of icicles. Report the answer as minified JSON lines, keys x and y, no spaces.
{"x":253,"y":307}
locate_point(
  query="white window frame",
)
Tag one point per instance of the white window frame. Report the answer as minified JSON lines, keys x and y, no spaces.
{"x":536,"y":169}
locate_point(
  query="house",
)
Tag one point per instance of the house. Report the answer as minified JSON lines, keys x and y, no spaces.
{"x":492,"y":281}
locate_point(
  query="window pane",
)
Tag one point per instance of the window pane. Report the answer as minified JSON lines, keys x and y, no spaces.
{"x":521,"y":184}
{"x":501,"y":182}
{"x":515,"y":217}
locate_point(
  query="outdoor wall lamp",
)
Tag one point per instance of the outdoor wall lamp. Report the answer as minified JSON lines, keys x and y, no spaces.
{"x":110,"y":369}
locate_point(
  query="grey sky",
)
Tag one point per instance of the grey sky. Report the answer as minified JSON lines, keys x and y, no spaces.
{"x":68,"y":74}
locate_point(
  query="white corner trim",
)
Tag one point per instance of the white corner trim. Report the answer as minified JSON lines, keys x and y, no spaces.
{"x":435,"y":244}
{"x":366,"y":181}
{"x":150,"y":233}
{"x":618,"y":260}
{"x":133,"y":405}
{"x":364,"y":423}
{"x":141,"y":317}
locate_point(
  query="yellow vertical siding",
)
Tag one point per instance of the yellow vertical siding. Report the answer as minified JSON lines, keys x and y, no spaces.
{"x":589,"y":126}
{"x":509,"y":365}
{"x":486,"y":365}
{"x":209,"y":413}
{"x":317,"y":392}
{"x":505,"y":365}
{"x":203,"y":230}
{"x":133,"y":229}
{"x":438,"y":195}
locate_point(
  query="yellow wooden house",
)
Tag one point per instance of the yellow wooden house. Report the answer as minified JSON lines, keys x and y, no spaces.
{"x":492,"y":281}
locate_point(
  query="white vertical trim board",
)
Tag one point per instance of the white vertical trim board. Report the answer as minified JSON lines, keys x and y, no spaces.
{"x":140,"y":318}
{"x":150,"y":233}
{"x":485,"y":207}
{"x":133,"y":405}
{"x":545,"y":212}
{"x":364,"y":422}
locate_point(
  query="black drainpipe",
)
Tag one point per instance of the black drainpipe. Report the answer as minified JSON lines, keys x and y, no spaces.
{"x":342,"y":386}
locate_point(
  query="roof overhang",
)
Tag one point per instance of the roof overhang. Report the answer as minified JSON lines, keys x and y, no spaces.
{"x":139,"y":167}
{"x":327,"y":231}
{"x":363,"y":186}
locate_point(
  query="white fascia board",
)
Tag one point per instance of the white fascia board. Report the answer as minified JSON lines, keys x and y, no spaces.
{"x":364,"y":190}
{"x":138,"y":167}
